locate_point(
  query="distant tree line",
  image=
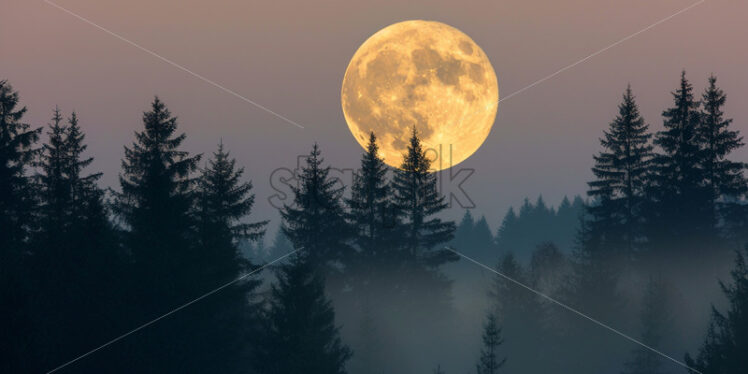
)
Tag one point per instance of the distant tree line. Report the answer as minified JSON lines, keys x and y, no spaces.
{"x":520,"y":233}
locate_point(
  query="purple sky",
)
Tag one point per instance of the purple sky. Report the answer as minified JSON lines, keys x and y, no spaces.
{"x":290,"y":56}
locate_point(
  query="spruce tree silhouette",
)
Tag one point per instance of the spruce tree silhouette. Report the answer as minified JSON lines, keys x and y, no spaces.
{"x":417,"y":203}
{"x":724,"y":178}
{"x":76,"y":249}
{"x":621,"y":173}
{"x":369,"y":209}
{"x":18,"y":207}
{"x":230,"y":320}
{"x":155,"y":206}
{"x":315,"y":222}
{"x":681,"y":213}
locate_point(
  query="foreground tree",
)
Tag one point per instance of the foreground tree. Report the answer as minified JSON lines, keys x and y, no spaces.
{"x":56,"y":188}
{"x":418,"y":202}
{"x":300,"y":334}
{"x":725,"y":349}
{"x":724,"y":178}
{"x":224,"y":202}
{"x":620,"y":171}
{"x":369,"y":208}
{"x":17,"y":212}
{"x":315,"y":223}
{"x":75,"y":247}
{"x":489,"y":362}
{"x":681,"y":214}
{"x":17,"y":197}
{"x":155,"y":208}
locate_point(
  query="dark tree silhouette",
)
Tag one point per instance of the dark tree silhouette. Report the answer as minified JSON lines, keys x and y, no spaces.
{"x":224,"y":202}
{"x":155,"y":206}
{"x":418,"y":202}
{"x":315,"y":223}
{"x":725,"y":348}
{"x":156,"y":197}
{"x":301,"y":336}
{"x":56,"y":188}
{"x":681,"y":213}
{"x":724,"y":178}
{"x":489,"y":362}
{"x":76,"y":248}
{"x":621,"y":173}
{"x":17,"y":197}
{"x":17,"y":212}
{"x":369,"y":208}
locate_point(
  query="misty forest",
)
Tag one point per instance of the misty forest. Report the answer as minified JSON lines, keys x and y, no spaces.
{"x":168,"y":271}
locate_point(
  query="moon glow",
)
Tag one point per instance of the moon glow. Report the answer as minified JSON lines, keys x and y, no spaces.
{"x":424,"y":74}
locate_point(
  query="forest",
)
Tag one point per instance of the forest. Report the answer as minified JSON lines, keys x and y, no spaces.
{"x":167,"y":272}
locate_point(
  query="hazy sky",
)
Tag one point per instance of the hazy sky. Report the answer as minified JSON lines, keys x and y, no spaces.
{"x":290,"y":56}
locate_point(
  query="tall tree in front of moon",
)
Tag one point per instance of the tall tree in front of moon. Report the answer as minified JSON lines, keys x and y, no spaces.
{"x":424,"y":74}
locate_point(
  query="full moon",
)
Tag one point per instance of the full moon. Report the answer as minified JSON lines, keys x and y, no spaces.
{"x":424,"y":74}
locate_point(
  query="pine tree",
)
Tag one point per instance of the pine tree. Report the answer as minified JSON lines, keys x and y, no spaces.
{"x":76,"y":247}
{"x":369,"y":208}
{"x":655,"y":320}
{"x":724,"y":178}
{"x":223,"y":202}
{"x":489,"y":362}
{"x":681,"y":211}
{"x":301,"y":336}
{"x":56,"y":188}
{"x":417,"y":202}
{"x":315,"y":223}
{"x":620,"y":171}
{"x":155,"y":206}
{"x":231,"y":318}
{"x":156,"y":196}
{"x":725,"y":348}
{"x":18,"y":206}
{"x":17,"y":192}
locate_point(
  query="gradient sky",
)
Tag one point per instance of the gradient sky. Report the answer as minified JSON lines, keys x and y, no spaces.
{"x":290,"y":56}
